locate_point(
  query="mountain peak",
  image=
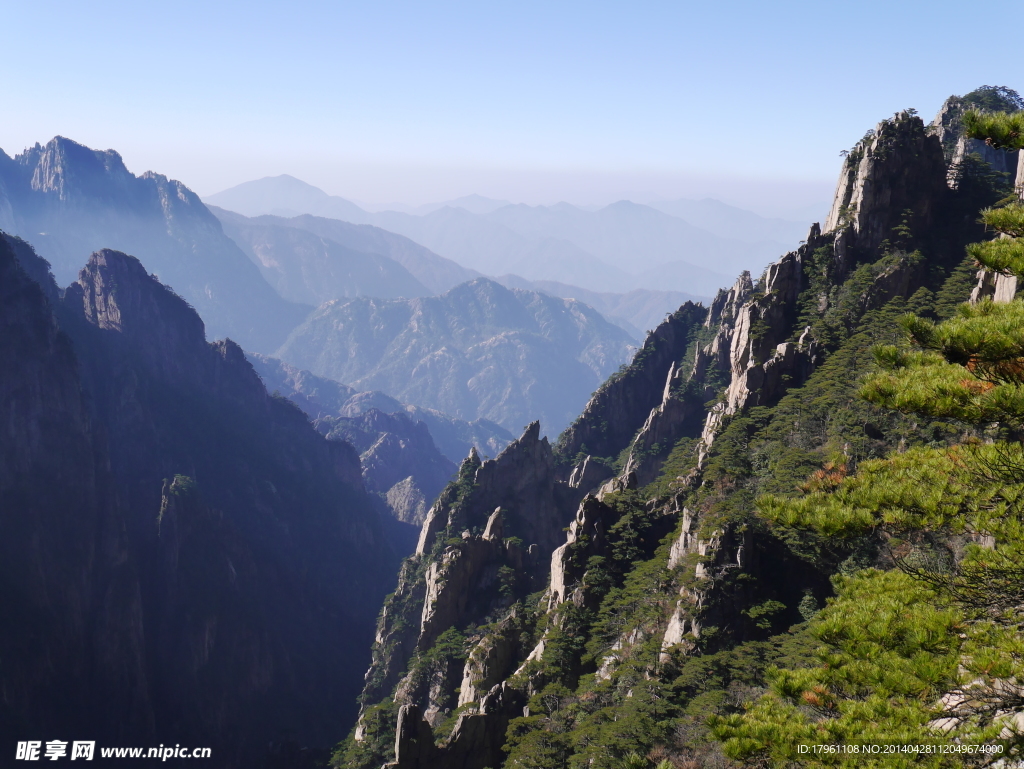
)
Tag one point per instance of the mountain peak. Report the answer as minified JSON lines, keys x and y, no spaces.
{"x":285,"y":195}
{"x":67,"y":168}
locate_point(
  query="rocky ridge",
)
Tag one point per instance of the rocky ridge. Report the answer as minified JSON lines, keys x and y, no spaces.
{"x":68,"y":200}
{"x":758,"y":340}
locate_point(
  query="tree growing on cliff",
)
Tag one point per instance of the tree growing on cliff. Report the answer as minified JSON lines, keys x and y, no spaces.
{"x":928,"y":654}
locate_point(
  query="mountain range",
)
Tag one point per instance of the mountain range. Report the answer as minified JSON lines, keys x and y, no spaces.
{"x":68,"y":200}
{"x":615,"y":248}
{"x":479,"y":350}
{"x":434,"y":272}
{"x":727,"y":549}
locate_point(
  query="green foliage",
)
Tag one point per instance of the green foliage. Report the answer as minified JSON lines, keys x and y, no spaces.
{"x":808,"y":607}
{"x":378,"y":744}
{"x":995,"y":98}
{"x":763,"y":613}
{"x":1008,"y":219}
{"x":1002,"y":130}
{"x":890,"y":652}
{"x":936,"y":640}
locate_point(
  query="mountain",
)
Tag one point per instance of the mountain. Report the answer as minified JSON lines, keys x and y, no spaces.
{"x":634,"y":237}
{"x":675,"y":589}
{"x":310,"y":269}
{"x":185,"y":559}
{"x":732,"y":222}
{"x":613,"y":248}
{"x":435,"y":272}
{"x":478,"y":351}
{"x":68,"y":200}
{"x":321,"y":398}
{"x":633,"y":311}
{"x":401,"y":460}
{"x":285,"y":196}
{"x":475,"y":204}
{"x":492,"y":248}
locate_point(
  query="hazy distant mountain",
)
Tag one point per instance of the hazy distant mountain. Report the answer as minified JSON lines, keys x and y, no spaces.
{"x":737,"y":223}
{"x":305,"y":267}
{"x":636,"y":238}
{"x":611,"y":249}
{"x":494,"y":249}
{"x":68,"y":201}
{"x":475,"y":204}
{"x":435,"y":272}
{"x":635,"y":311}
{"x":479,"y":350}
{"x":601,"y":251}
{"x":285,"y":196}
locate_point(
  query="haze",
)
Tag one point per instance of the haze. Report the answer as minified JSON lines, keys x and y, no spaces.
{"x":532,"y":102}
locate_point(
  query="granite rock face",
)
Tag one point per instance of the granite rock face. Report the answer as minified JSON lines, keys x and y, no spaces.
{"x":68,"y":200}
{"x":523,"y":480}
{"x":214,"y":559}
{"x":898,"y":169}
{"x":501,"y":516}
{"x":609,"y":420}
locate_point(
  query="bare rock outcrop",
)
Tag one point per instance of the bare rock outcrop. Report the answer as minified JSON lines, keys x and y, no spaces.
{"x":899,"y":167}
{"x":522,"y":480}
{"x":609,"y":421}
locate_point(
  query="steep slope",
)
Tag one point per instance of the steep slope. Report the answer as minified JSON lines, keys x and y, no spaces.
{"x":669,"y":597}
{"x":433,"y":271}
{"x":222,"y":563}
{"x":68,"y":200}
{"x":309,"y":269}
{"x":72,"y":614}
{"x":479,"y":350}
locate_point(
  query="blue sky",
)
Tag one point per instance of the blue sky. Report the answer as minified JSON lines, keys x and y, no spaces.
{"x":536,"y":102}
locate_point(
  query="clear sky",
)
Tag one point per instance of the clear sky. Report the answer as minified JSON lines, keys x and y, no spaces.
{"x":531,"y":101}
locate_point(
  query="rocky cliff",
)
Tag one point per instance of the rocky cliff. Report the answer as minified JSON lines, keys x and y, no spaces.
{"x":668,"y":597}
{"x":191,"y":561}
{"x":68,"y":200}
{"x":72,"y":609}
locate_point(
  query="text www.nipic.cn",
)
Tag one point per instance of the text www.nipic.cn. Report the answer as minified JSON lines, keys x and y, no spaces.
{"x":54,"y":750}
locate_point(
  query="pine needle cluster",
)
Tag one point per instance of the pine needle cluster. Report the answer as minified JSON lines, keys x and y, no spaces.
{"x":929,"y":651}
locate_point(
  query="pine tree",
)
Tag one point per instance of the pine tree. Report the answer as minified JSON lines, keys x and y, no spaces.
{"x":929,"y":652}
